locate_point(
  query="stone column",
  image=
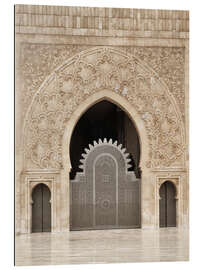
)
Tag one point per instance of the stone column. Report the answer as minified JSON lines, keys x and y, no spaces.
{"x":65,"y":201}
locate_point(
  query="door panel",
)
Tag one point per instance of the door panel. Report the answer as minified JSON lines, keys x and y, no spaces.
{"x":171,"y":206}
{"x":41,"y":209}
{"x":105,"y":179}
{"x":105,"y":195}
{"x":162,"y":206}
{"x":167,"y":205}
{"x":37,"y":209}
{"x":46,"y":209}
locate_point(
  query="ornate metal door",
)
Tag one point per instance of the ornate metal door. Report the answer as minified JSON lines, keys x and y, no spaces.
{"x":105,"y":182}
{"x":105,"y":195}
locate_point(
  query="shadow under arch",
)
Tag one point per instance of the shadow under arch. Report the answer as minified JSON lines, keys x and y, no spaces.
{"x":41,"y":183}
{"x":120,"y":102}
{"x":104,"y":120}
{"x":171,"y":183}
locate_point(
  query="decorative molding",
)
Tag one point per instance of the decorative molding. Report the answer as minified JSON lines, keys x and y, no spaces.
{"x":169,"y":170}
{"x":101,"y":21}
{"x":41,"y":172}
{"x":102,"y":12}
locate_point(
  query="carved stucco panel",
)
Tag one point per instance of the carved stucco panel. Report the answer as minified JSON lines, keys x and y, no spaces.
{"x":169,"y":64}
{"x":39,"y":60}
{"x":92,"y":71}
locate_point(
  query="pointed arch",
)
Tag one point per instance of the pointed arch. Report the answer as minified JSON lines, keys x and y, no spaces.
{"x":85,"y":105}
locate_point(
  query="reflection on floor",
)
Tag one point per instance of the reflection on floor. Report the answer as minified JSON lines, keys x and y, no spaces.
{"x":102,"y":246}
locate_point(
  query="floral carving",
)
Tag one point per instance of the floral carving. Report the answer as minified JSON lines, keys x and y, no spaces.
{"x":169,"y":64}
{"x":38,"y":61}
{"x":92,"y":71}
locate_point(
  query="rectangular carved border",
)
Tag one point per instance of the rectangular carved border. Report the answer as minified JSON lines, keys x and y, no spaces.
{"x":31,"y":181}
{"x":176,"y":180}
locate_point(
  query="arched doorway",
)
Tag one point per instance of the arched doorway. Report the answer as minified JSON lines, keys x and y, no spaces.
{"x":167,"y":205}
{"x":105,"y":121}
{"x":41,"y":209}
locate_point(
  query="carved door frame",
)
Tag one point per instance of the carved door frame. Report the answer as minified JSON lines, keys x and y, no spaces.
{"x":32,"y":182}
{"x":175,"y":180}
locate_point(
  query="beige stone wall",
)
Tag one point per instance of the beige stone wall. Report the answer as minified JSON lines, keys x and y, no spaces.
{"x":68,"y":58}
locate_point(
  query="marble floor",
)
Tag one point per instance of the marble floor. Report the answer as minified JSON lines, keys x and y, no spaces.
{"x":102,"y":246}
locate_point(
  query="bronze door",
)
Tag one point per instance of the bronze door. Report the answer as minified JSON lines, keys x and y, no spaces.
{"x":105,"y":195}
{"x":41,"y":209}
{"x":167,"y":205}
{"x":106,"y":189}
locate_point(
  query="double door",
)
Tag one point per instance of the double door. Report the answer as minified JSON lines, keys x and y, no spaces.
{"x":167,"y":205}
{"x":41,"y":209}
{"x":104,"y":198}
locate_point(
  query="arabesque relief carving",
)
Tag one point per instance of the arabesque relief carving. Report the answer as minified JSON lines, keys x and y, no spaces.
{"x":92,"y":71}
{"x":38,"y":61}
{"x":169,"y":64}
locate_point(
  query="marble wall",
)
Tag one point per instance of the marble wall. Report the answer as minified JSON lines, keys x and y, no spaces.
{"x":69,"y":58}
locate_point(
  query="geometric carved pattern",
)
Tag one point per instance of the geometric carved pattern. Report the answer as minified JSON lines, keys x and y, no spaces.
{"x":92,"y":71}
{"x":105,"y":167}
{"x":106,"y":178}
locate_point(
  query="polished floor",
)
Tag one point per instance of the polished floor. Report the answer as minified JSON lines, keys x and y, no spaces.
{"x":102,"y":246}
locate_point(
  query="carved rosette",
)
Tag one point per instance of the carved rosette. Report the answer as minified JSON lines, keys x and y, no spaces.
{"x":89,"y":72}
